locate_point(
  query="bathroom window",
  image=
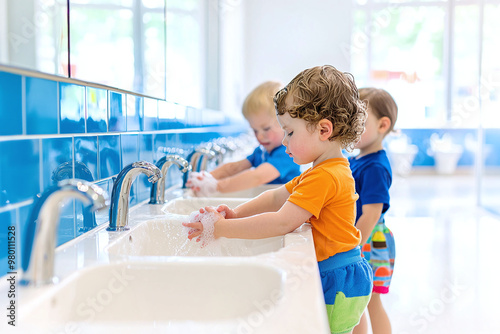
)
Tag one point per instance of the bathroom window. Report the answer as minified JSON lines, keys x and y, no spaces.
{"x":119,"y":43}
{"x":191,"y":24}
{"x":437,"y":58}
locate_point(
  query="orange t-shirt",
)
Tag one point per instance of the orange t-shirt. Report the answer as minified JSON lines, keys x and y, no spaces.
{"x":327,"y":192}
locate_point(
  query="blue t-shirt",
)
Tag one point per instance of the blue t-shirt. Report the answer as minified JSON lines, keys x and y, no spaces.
{"x":279,"y":159}
{"x":373,"y":177}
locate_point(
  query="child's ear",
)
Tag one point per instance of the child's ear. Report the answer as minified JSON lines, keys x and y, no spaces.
{"x":325,"y":129}
{"x":384,"y":124}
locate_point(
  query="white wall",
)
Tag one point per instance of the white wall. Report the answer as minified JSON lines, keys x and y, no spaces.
{"x":232,"y":46}
{"x":274,"y":40}
{"x":284,"y":37}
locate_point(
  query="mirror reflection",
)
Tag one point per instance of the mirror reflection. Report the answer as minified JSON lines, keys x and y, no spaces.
{"x":34,"y":35}
{"x":119,"y":43}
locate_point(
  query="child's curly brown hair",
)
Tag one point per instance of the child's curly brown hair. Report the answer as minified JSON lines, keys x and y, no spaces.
{"x":323,"y":92}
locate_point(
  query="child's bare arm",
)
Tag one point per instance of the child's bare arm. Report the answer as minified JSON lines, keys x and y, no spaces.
{"x":264,"y":225}
{"x":269,"y":201}
{"x":368,"y":220}
{"x":248,"y":178}
{"x":230,"y":169}
{"x":269,"y":224}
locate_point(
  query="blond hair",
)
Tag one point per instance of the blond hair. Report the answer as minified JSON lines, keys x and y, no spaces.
{"x":381,"y":103}
{"x":323,"y":92}
{"x":260,"y":99}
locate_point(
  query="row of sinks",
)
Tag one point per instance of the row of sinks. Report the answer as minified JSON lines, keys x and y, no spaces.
{"x":152,"y":279}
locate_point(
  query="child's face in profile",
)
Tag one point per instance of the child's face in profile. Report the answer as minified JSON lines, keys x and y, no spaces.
{"x":300,"y":142}
{"x":371,"y":136}
{"x":266,"y":129}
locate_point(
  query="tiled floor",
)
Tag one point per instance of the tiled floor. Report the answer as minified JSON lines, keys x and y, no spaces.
{"x":446,"y":277}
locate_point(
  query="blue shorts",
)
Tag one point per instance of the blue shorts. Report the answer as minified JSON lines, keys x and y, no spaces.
{"x":347,"y":281}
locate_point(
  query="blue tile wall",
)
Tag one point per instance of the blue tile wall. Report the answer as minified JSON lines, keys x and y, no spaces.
{"x":150,"y":114}
{"x":117,"y":112}
{"x":86,"y":158}
{"x":171,"y":115}
{"x":41,"y":106}
{"x":135,"y":112}
{"x":130,"y":148}
{"x":19,"y":170}
{"x":72,"y":106}
{"x":57,"y":160}
{"x":11,"y":104}
{"x":109,"y":156}
{"x":97,"y":110}
{"x":52,"y":130}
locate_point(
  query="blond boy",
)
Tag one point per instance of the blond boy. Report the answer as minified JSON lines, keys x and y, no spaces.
{"x":268,"y":164}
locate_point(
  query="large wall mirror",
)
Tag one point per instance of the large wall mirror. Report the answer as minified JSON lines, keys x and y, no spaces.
{"x":34,"y":35}
{"x":117,"y":43}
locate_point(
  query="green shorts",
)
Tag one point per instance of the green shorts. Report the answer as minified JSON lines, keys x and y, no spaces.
{"x":347,"y":281}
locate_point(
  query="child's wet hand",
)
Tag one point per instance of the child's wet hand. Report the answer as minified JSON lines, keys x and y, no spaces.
{"x":211,"y":209}
{"x":195,"y":230}
{"x":229,"y":213}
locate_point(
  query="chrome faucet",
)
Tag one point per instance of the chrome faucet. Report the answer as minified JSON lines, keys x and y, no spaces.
{"x":118,"y":211}
{"x":198,"y":160}
{"x":219,"y":152}
{"x":158,"y":188}
{"x":65,"y":171}
{"x":40,"y":241}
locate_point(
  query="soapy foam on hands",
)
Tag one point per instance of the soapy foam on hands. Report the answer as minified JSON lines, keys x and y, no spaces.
{"x":207,"y":219}
{"x":204,"y":181}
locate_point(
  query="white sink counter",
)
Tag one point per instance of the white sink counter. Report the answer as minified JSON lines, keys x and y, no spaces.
{"x":286,"y":296}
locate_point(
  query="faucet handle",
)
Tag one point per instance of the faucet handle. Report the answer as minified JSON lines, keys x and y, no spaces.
{"x":153,"y":172}
{"x":182,"y":163}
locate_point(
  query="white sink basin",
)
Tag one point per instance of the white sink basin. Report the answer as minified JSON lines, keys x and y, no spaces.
{"x":129,"y":282}
{"x":167,"y":237}
{"x":156,"y":292}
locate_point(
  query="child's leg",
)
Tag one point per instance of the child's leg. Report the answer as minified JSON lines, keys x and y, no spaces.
{"x":362,"y":327}
{"x":378,"y":317}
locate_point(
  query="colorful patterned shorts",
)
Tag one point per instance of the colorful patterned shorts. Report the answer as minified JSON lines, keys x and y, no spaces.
{"x":380,"y":252}
{"x":347,"y":285}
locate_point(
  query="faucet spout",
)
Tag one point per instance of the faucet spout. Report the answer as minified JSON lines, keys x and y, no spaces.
{"x":118,"y":211}
{"x":40,"y":240}
{"x":198,"y":160}
{"x":158,"y":188}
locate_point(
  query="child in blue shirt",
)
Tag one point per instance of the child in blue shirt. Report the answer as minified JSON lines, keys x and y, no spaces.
{"x":268,"y":164}
{"x":373,"y":177}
